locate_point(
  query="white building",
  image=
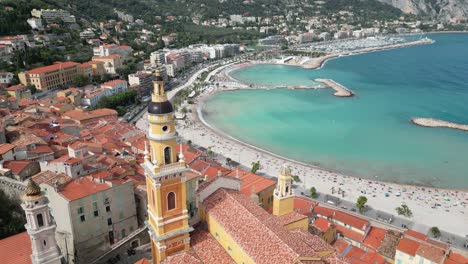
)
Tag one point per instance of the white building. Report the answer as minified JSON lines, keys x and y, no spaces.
{"x":6,"y":77}
{"x":124,"y":51}
{"x":35,"y":23}
{"x":115,"y":86}
{"x":40,"y":226}
{"x":49,"y":15}
{"x":158,"y":58}
{"x":91,"y":98}
{"x":91,"y":213}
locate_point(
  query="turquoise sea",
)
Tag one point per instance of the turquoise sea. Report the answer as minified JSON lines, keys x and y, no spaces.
{"x":368,"y":135}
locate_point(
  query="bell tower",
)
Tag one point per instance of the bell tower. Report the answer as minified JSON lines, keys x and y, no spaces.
{"x":165,"y":180}
{"x":40,"y":226}
{"x":283,"y":197}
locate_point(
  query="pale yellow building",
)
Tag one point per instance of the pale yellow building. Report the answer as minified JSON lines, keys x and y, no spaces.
{"x":19,"y":92}
{"x":54,"y":76}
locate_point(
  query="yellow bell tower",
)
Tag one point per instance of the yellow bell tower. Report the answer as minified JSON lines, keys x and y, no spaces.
{"x":165,"y":181}
{"x":283,"y":197}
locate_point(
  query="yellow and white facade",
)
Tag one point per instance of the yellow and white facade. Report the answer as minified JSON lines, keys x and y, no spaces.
{"x":165,"y":180}
{"x":283,"y":196}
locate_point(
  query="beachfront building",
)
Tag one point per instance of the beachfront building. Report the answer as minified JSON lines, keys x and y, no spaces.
{"x":54,"y":76}
{"x":416,"y":248}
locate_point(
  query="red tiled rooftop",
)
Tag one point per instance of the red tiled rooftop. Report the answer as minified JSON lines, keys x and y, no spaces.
{"x":415,"y":234}
{"x":82,"y":187}
{"x":303,"y":204}
{"x":374,"y":237}
{"x":185,"y":257}
{"x":4,"y":148}
{"x":291,"y":217}
{"x":340,"y":245}
{"x":321,"y":224}
{"x":201,"y":240}
{"x":15,"y":87}
{"x":113,"y":82}
{"x":346,"y":218}
{"x":455,"y":258}
{"x":53,"y":67}
{"x":258,"y":233}
{"x":16,"y":249}
{"x":430,"y":252}
{"x":16,"y":166}
{"x":143,"y":261}
{"x":408,"y":246}
{"x":348,"y":233}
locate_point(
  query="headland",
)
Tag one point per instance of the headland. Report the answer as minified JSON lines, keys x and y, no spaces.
{"x":431,"y":122}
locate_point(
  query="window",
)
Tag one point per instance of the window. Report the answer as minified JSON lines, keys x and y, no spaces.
{"x":80,"y":210}
{"x":167,"y":155}
{"x":82,"y":218}
{"x":109,"y":221}
{"x":40,"y":220}
{"x":96,"y":213}
{"x":229,"y":249}
{"x":123,"y":233}
{"x":153,"y":199}
{"x":108,"y":208}
{"x":171,"y":201}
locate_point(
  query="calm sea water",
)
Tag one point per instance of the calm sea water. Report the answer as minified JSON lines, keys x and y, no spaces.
{"x":369,"y":135}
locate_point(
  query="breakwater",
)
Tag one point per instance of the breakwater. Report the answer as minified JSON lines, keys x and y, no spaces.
{"x":340,"y":90}
{"x":431,"y":122}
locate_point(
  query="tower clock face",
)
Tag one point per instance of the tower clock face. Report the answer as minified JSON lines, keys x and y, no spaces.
{"x":165,"y":128}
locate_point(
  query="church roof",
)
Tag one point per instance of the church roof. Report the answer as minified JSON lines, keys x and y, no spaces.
{"x":16,"y":249}
{"x":261,"y":235}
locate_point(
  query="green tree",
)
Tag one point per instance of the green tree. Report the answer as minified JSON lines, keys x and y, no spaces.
{"x":80,"y":80}
{"x":228,"y":161}
{"x":12,"y":217}
{"x":255,"y":166}
{"x":404,"y":210}
{"x":361,"y":202}
{"x":435,"y":231}
{"x":296,"y":178}
{"x":313,"y":192}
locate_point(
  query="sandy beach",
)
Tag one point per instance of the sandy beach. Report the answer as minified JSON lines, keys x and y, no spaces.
{"x":446,"y":209}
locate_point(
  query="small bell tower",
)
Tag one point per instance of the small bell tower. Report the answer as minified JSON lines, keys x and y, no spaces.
{"x":283,"y":196}
{"x":40,"y":226}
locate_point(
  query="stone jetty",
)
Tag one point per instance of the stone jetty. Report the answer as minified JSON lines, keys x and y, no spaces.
{"x":431,"y":122}
{"x":341,"y":91}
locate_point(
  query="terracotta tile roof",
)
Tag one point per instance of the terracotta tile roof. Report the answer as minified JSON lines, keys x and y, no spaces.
{"x":113,"y":82}
{"x":53,"y":67}
{"x":313,"y":241}
{"x":67,"y":160}
{"x":15,"y":87}
{"x":51,"y":178}
{"x":201,"y":240}
{"x":82,"y":187}
{"x":252,"y":182}
{"x":80,"y":115}
{"x":240,"y":218}
{"x":143,"y":261}
{"x":16,"y":249}
{"x":345,"y":218}
{"x":455,"y":258}
{"x":16,"y":166}
{"x":415,"y":234}
{"x":357,"y":256}
{"x":4,"y":148}
{"x":340,"y":245}
{"x":199,"y":165}
{"x":291,"y":217}
{"x":374,"y":237}
{"x":431,"y":253}
{"x":408,"y":246}
{"x":41,"y":149}
{"x":348,"y":233}
{"x":303,"y":205}
{"x":186,"y":257}
{"x":322,"y":224}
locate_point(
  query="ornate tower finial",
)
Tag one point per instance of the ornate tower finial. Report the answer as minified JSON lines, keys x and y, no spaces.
{"x":181,"y":154}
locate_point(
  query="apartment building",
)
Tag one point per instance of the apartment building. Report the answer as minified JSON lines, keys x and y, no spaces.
{"x":49,"y":15}
{"x":91,"y":214}
{"x":124,"y":51}
{"x":111,"y":62}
